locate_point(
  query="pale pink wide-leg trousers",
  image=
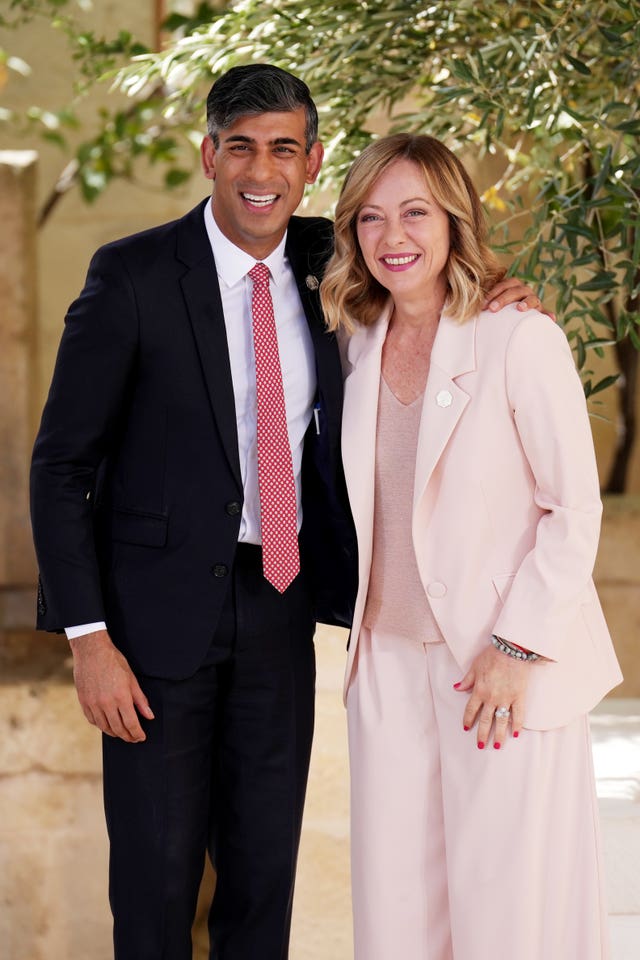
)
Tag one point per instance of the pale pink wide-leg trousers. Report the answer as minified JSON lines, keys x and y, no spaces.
{"x":460,"y":853}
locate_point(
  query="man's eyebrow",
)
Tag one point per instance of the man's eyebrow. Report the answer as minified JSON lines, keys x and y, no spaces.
{"x":277,"y":141}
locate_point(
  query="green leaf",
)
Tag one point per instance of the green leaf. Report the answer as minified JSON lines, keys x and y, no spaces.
{"x":579,"y":65}
{"x":462,"y":70}
{"x":175,"y":21}
{"x":603,"y":173}
{"x":609,"y":35}
{"x":601,"y":281}
{"x":175,"y":177}
{"x":580,"y":230}
{"x":51,"y":136}
{"x":629,"y":126}
{"x":605,"y":383}
{"x":600,"y":342}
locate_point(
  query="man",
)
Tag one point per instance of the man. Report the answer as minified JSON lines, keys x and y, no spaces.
{"x":189,"y":594}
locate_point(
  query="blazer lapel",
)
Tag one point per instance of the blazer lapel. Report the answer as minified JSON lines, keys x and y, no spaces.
{"x":361,"y":389}
{"x":444,"y":401}
{"x":204,"y":306}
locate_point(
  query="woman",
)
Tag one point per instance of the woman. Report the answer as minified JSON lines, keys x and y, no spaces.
{"x":478,"y":642}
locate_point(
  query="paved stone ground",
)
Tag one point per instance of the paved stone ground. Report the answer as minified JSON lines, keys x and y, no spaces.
{"x":53,"y":854}
{"x":615,"y":728}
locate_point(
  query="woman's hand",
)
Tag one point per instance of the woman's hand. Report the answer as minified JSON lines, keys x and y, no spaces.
{"x":495,"y":680}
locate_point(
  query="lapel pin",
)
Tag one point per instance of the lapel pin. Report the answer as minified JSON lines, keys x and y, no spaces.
{"x":312,"y":282}
{"x":444,"y":398}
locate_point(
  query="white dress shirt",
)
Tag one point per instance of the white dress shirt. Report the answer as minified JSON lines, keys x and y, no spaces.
{"x":296,"y":361}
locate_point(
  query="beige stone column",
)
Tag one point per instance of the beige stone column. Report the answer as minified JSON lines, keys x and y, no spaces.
{"x":17,"y":367}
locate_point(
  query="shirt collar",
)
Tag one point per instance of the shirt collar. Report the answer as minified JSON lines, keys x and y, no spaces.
{"x":233,"y":263}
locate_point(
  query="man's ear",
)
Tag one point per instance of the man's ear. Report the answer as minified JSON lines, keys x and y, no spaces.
{"x":314,"y":162}
{"x":208,"y":158}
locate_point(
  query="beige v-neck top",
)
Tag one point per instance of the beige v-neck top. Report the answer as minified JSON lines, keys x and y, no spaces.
{"x":396,"y":600}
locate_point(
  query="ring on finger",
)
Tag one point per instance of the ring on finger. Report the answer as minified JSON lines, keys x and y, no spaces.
{"x":503,"y":713}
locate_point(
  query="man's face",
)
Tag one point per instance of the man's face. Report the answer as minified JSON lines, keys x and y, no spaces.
{"x":260,"y":169}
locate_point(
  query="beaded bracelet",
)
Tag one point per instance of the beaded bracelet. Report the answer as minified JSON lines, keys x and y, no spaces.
{"x":510,"y":651}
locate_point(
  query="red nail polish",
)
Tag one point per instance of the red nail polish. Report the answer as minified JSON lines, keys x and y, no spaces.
{"x":466,"y":728}
{"x":496,"y":746}
{"x":516,"y":734}
{"x":480,"y":745}
{"x":456,"y":685}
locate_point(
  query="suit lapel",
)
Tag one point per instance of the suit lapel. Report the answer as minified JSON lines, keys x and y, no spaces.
{"x":204,"y":306}
{"x":444,"y":401}
{"x":308,"y":248}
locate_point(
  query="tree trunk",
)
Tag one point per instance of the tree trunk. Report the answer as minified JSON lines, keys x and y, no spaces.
{"x":628,"y":364}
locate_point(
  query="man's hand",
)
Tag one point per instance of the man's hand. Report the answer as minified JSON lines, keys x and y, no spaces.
{"x":511,"y":290}
{"x":108,"y":692}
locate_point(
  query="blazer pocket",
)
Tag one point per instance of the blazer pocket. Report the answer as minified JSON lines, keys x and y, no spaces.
{"x":142,"y":529}
{"x":502,"y":584}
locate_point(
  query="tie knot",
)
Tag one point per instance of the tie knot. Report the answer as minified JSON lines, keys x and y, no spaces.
{"x":259,"y":273}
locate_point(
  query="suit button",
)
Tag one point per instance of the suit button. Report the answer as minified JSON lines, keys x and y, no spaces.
{"x":436,"y":589}
{"x":233,"y":508}
{"x":220,"y":570}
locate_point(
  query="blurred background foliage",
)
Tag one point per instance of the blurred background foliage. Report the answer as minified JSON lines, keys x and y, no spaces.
{"x":548,"y":92}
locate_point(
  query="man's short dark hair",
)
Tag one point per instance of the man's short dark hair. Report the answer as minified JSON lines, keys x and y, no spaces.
{"x":258,"y":88}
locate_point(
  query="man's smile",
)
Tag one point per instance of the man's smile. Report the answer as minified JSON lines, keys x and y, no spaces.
{"x":259,"y":201}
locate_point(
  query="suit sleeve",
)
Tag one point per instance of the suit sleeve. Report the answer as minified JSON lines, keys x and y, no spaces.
{"x":550,"y":414}
{"x":87,"y":399}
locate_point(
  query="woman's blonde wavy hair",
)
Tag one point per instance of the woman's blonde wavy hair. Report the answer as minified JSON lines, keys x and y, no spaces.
{"x":350,"y":295}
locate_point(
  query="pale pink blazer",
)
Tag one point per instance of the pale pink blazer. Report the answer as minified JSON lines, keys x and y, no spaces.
{"x":506,"y":505}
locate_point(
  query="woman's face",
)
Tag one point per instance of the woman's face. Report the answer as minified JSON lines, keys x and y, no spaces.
{"x":404,"y":234}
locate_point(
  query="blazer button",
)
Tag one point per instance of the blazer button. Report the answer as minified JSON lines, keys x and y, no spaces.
{"x":220,"y":570}
{"x":233,"y":508}
{"x":436,"y":589}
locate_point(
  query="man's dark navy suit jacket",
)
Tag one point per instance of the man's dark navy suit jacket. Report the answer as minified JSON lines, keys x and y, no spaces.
{"x":136,"y":488}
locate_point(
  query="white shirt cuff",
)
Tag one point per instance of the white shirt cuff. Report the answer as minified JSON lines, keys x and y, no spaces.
{"x":84,"y":628}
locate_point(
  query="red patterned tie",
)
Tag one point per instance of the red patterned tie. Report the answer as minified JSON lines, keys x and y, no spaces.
{"x":278,"y":514}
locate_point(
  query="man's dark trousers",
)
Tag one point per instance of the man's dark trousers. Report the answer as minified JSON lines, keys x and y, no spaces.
{"x":236,"y":732}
